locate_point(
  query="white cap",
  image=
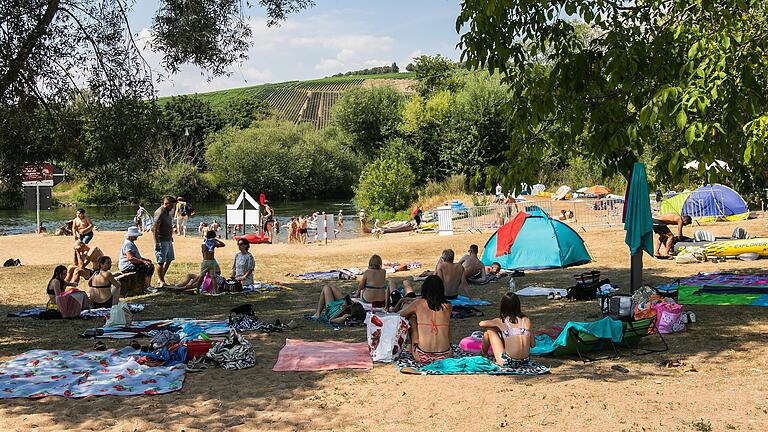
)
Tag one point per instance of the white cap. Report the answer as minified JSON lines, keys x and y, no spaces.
{"x":133,"y":232}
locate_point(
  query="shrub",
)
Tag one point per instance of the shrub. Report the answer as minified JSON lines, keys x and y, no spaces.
{"x":386,"y":184}
{"x":181,"y":179}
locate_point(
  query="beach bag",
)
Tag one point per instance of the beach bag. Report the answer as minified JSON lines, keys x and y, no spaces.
{"x":210,"y":285}
{"x":620,"y":307}
{"x":232,"y":286}
{"x":386,"y":335}
{"x":233,"y":353}
{"x":119,"y":315}
{"x":70,"y":303}
{"x":669,"y":317}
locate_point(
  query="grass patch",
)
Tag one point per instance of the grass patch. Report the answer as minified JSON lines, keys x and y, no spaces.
{"x":702,"y":426}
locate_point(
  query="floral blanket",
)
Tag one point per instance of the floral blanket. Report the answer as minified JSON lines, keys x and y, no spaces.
{"x":40,"y":373}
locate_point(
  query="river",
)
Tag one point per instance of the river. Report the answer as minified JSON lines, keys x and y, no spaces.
{"x":120,"y":218}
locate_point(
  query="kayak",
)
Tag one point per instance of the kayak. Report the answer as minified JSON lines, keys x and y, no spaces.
{"x":253,"y":238}
{"x":730,"y":248}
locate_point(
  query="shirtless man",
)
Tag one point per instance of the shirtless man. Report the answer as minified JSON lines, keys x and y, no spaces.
{"x":665,"y":236}
{"x":452,"y":274}
{"x":82,"y":227}
{"x":473,"y":268}
{"x":303,"y":229}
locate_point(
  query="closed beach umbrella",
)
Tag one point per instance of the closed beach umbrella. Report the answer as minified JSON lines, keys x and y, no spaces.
{"x":638,"y":223}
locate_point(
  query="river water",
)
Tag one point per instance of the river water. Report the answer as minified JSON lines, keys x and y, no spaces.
{"x":120,"y":218}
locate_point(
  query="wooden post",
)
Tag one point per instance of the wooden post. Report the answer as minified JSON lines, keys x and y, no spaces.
{"x":636,"y":271}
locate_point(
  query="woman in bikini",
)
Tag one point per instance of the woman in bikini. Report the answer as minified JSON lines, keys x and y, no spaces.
{"x":58,"y":283}
{"x":510,"y":334}
{"x":105,"y":290}
{"x":373,"y":284}
{"x":430,"y":318}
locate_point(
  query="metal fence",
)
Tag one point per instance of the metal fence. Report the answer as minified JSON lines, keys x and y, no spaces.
{"x":578,"y":213}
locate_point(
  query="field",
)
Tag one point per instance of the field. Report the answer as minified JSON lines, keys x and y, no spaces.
{"x":306,"y":101}
{"x":722,"y":385}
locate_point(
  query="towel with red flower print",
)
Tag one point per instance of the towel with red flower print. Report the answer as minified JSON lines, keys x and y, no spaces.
{"x":40,"y":373}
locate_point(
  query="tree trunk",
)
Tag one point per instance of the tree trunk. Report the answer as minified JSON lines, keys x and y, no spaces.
{"x":17,"y":64}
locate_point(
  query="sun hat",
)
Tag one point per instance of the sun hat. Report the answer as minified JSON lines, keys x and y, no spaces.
{"x":133,"y":232}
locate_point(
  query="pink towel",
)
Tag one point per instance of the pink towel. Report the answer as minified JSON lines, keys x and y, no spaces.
{"x":298,"y":356}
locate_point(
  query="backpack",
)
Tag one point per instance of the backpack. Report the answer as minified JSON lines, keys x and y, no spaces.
{"x":185,"y":209}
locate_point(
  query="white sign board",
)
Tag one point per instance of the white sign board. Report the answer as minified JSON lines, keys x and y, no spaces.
{"x":245,"y":211}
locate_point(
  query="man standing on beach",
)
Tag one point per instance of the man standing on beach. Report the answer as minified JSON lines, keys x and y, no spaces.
{"x":82,"y":227}
{"x":162,"y":232}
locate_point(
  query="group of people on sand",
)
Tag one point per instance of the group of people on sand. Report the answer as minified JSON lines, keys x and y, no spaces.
{"x":429,"y":312}
{"x":298,"y":227}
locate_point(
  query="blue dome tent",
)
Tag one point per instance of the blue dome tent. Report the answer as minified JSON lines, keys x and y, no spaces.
{"x":534,"y":241}
{"x":708,"y":204}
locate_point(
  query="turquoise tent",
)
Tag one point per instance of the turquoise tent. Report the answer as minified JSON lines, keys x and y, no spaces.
{"x":534,"y":241}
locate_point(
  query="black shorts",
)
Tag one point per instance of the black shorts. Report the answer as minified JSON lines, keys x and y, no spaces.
{"x":302,"y":230}
{"x":453,"y":297}
{"x":661,"y":230}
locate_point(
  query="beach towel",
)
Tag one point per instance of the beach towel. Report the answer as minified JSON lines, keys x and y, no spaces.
{"x":604,"y":328}
{"x":342,"y":274}
{"x":724,"y":289}
{"x":463,"y":363}
{"x":40,"y":373}
{"x":87,"y":313}
{"x":540,"y":291}
{"x":466,"y":301}
{"x":300,"y":356}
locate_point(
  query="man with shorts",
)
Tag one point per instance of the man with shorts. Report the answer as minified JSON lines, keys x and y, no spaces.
{"x":130,"y":259}
{"x":452,"y":275}
{"x":162,"y":231}
{"x":82,"y":227}
{"x":183,"y":212}
{"x":665,"y":236}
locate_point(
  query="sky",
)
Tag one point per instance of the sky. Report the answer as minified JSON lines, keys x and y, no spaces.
{"x":334,"y":36}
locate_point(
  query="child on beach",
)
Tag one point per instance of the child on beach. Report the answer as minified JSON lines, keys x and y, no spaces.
{"x":209,"y":264}
{"x":509,"y":335}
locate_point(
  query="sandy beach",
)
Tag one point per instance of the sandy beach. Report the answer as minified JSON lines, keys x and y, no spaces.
{"x":722,"y":383}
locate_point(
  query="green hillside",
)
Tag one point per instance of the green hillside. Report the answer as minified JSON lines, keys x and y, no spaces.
{"x":300,"y":101}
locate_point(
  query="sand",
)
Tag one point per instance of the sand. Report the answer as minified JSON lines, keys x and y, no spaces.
{"x":722,"y":386}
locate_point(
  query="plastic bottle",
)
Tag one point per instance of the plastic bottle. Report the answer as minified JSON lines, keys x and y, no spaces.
{"x":512,"y":284}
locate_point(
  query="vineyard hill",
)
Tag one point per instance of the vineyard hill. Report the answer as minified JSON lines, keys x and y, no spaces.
{"x":307,"y":101}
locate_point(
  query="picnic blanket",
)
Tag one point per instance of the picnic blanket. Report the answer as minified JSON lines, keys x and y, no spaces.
{"x":299,"y":356}
{"x":87,"y":313}
{"x":464,"y":363}
{"x":604,"y":328}
{"x":186,"y":327}
{"x":344,"y":274}
{"x":40,"y":373}
{"x":256,"y":287}
{"x":533,"y":291}
{"x":724,"y":289}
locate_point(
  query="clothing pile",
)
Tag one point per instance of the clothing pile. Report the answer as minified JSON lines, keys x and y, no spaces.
{"x":167,"y":350}
{"x":233,"y":353}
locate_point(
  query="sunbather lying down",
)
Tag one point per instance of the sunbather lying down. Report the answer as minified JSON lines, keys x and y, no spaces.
{"x":335,"y":307}
{"x":189,"y":283}
{"x":400,"y":296}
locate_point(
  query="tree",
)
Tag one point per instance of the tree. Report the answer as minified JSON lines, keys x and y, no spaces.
{"x":187,"y":120}
{"x":370,"y":116}
{"x":386,"y":185}
{"x":424,"y":126}
{"x":242,"y":111}
{"x":434,"y":73}
{"x":395,"y":68}
{"x":682,"y":79}
{"x":53,"y":52}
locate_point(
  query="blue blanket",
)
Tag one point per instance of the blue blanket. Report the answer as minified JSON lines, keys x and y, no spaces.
{"x":466,"y":301}
{"x":463,"y":363}
{"x":605,"y":328}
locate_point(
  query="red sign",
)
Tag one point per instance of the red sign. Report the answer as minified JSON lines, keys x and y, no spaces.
{"x":37,"y":175}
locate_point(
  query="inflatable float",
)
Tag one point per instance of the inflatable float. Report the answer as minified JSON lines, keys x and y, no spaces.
{"x":392,"y":227}
{"x":730,"y":248}
{"x":253,"y":238}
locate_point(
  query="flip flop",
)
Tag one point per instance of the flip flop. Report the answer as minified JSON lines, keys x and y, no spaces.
{"x":99,"y":346}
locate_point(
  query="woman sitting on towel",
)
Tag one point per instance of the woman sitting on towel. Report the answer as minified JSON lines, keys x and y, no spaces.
{"x":373,"y":284}
{"x":430,"y":318}
{"x":510,"y":334}
{"x":58,"y":283}
{"x":105,"y":290}
{"x":244,"y":264}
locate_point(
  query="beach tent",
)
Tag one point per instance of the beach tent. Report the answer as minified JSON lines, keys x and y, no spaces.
{"x":534,"y":241}
{"x":707,"y":204}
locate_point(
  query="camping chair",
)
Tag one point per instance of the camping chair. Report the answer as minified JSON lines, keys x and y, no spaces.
{"x":739,"y":234}
{"x":635,"y":331}
{"x":580,"y":343}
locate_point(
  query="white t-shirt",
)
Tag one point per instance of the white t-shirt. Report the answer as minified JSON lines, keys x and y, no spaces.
{"x":498,"y":189}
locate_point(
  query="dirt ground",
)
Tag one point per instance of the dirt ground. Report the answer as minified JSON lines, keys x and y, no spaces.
{"x":722,"y":386}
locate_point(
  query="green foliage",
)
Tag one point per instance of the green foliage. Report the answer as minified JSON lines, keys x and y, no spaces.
{"x":380,"y":70}
{"x":282,"y":160}
{"x":453,"y":185}
{"x":186,"y":121}
{"x":181,"y":179}
{"x":681,"y":80}
{"x":386,"y":185}
{"x":434,"y":73}
{"x":242,"y":111}
{"x":425,"y":124}
{"x":370,"y":117}
{"x":398,"y":148}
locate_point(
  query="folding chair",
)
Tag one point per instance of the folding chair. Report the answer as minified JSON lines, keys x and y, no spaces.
{"x":635,"y":331}
{"x":580,"y":343}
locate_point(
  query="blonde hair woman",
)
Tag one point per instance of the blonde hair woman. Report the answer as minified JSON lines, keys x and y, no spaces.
{"x":373,"y":284}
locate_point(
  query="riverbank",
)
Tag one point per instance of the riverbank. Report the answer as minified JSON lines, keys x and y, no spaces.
{"x":725,"y":352}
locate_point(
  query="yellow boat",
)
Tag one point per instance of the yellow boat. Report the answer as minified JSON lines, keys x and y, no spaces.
{"x":728,"y":248}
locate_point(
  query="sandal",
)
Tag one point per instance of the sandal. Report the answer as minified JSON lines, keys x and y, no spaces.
{"x":99,"y":346}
